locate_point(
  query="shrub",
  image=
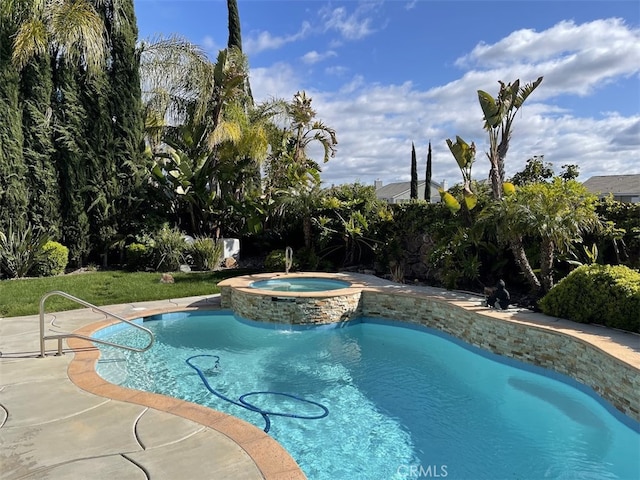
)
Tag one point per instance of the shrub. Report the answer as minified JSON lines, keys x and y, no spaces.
{"x":206,"y":253}
{"x":53,"y":260}
{"x":169,"y":249}
{"x":21,"y":249}
{"x":604,"y":294}
{"x":137,"y":256}
{"x":275,"y":262}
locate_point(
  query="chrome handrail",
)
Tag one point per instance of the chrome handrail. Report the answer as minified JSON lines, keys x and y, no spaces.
{"x":59,"y":337}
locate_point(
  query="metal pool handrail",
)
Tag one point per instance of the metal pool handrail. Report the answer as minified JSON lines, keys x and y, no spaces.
{"x":60,"y":336}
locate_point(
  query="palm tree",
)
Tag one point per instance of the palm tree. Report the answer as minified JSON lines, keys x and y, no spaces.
{"x":71,"y":29}
{"x":306,"y":130}
{"x":504,"y":218}
{"x":206,"y":142}
{"x":556,"y":214}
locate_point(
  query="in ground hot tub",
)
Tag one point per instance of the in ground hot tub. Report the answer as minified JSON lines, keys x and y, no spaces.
{"x":304,"y":298}
{"x":298,"y":284}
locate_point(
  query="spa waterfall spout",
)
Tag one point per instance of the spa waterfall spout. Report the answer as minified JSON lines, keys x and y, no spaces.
{"x":288,"y":259}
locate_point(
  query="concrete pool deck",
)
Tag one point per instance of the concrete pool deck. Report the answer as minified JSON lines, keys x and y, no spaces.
{"x":59,"y":419}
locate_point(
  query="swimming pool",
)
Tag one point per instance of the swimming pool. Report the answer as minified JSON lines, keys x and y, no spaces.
{"x":402,"y":403}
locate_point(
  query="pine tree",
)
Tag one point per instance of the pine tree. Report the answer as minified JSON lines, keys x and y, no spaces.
{"x":414,"y":173}
{"x":427,"y":183}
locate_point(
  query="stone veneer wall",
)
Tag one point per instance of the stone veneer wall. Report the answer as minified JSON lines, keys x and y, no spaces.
{"x":303,"y":310}
{"x":615,"y":381}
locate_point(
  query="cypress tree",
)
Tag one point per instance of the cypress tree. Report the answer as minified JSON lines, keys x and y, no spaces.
{"x":414,"y":173}
{"x":235,"y":35}
{"x":71,"y":149}
{"x":13,"y":194}
{"x":42,"y":178}
{"x":113,"y":100}
{"x":427,"y":184}
{"x":235,"y":40}
{"x":128,"y":119}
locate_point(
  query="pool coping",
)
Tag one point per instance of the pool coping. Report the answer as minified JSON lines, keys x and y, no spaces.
{"x":243,"y":283}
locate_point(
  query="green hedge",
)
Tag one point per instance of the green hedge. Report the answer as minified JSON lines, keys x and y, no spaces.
{"x":603,"y":294}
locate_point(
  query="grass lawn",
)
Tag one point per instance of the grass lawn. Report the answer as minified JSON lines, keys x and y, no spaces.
{"x":22,"y":296}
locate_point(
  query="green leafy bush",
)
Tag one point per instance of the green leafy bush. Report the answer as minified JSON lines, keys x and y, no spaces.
{"x":169,"y":250}
{"x":53,"y":260}
{"x":137,"y":256}
{"x":275,"y":262}
{"x":20,"y":249}
{"x":206,"y":253}
{"x":604,"y":294}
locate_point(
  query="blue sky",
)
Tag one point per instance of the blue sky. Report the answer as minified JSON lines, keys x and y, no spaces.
{"x":385,"y":74}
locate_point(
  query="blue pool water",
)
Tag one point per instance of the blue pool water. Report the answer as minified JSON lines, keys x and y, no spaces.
{"x":299,"y":284}
{"x":403,"y":403}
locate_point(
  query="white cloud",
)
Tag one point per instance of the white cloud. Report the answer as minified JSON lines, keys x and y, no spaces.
{"x":336,"y":70}
{"x":315,"y":57}
{"x":266,"y":41}
{"x":210,"y":45}
{"x":410,"y":5}
{"x":376,"y":123}
{"x":561,"y":40}
{"x":279,"y":80}
{"x":574,"y":59}
{"x":351,"y":26}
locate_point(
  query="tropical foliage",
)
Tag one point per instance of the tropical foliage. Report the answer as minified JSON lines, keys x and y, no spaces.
{"x":499,"y":114}
{"x":124,"y":150}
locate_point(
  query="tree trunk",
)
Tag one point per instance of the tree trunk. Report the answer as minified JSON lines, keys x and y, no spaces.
{"x":522,"y":261}
{"x":306,"y":228}
{"x":546,"y":264}
{"x":494,"y":178}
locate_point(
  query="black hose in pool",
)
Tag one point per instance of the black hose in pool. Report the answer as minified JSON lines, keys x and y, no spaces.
{"x":249,"y":406}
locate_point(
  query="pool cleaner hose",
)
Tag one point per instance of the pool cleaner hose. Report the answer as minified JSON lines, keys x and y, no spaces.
{"x":241,"y":402}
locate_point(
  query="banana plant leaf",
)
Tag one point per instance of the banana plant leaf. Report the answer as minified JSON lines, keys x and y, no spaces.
{"x":450,"y":201}
{"x":461,"y":151}
{"x":490,"y":109}
{"x":470,"y":199}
